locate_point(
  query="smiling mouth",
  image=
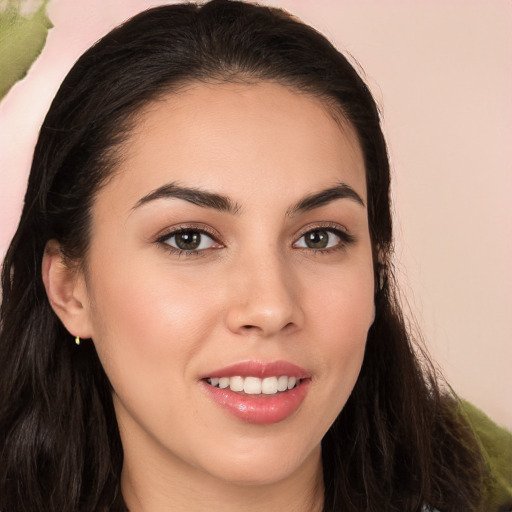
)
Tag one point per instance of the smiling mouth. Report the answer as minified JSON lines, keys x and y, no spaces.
{"x":254,"y":385}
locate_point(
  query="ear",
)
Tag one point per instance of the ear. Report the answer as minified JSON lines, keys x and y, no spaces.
{"x":67,"y":292}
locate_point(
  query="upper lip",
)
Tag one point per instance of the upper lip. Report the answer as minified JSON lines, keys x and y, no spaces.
{"x":259,"y":369}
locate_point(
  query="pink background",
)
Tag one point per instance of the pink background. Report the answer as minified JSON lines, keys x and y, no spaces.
{"x":442,"y":72}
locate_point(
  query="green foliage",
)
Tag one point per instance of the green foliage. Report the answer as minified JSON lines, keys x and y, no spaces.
{"x":496,"y":444}
{"x":22,"y":37}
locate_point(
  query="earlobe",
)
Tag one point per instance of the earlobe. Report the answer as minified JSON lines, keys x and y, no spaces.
{"x":66,"y":291}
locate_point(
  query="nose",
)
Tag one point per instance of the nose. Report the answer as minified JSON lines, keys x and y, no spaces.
{"x":264,"y":297}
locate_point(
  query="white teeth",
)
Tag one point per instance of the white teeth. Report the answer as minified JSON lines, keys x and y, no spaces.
{"x":223,"y":382}
{"x":269,"y":386}
{"x":255,"y":385}
{"x":236,"y":384}
{"x":282,"y":383}
{"x":252,"y":386}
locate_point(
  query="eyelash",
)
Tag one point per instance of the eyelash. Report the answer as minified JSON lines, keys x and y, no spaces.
{"x":345,"y":239}
{"x":162,"y":240}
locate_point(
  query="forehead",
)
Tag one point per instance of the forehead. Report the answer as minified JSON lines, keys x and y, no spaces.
{"x":240,"y":138}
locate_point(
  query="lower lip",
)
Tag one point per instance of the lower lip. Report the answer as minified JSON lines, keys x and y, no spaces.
{"x":259,"y":409}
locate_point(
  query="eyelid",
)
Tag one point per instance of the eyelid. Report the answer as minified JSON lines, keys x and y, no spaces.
{"x":338,"y":229}
{"x":327,"y":226}
{"x":177,"y":229}
{"x":187,"y":226}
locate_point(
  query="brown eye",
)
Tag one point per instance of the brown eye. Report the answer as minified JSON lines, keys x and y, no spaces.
{"x":323,"y":238}
{"x":318,"y":239}
{"x":190,"y":240}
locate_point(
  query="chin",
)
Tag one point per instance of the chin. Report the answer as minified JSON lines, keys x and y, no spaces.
{"x":265,"y":467}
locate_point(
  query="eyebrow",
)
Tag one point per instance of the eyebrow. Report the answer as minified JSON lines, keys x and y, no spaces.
{"x":223,"y":203}
{"x":324,"y":197}
{"x":192,"y":195}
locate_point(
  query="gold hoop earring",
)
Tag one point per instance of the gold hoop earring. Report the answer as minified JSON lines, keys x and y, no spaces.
{"x":77,"y":340}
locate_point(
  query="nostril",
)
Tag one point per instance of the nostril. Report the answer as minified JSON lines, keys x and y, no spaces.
{"x":266,"y":318}
{"x":289,"y":327}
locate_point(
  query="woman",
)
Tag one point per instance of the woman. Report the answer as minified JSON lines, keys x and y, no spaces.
{"x":198,"y":305}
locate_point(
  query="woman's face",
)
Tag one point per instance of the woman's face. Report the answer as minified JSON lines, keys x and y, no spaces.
{"x":232,"y":249}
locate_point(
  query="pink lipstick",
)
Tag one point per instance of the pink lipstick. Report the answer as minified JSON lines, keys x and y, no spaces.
{"x":257,"y":392}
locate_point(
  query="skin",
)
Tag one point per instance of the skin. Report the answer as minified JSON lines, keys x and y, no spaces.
{"x":160,"y":320}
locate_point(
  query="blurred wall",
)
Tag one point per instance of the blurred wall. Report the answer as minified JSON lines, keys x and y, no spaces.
{"x":442,"y":74}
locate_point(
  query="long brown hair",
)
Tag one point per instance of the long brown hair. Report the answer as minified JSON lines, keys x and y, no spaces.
{"x":397,"y":444}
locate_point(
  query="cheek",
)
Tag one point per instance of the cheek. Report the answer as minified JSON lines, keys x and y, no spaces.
{"x":148,"y":320}
{"x":151,"y":324}
{"x":342,"y":314}
{"x":341,"y":302}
